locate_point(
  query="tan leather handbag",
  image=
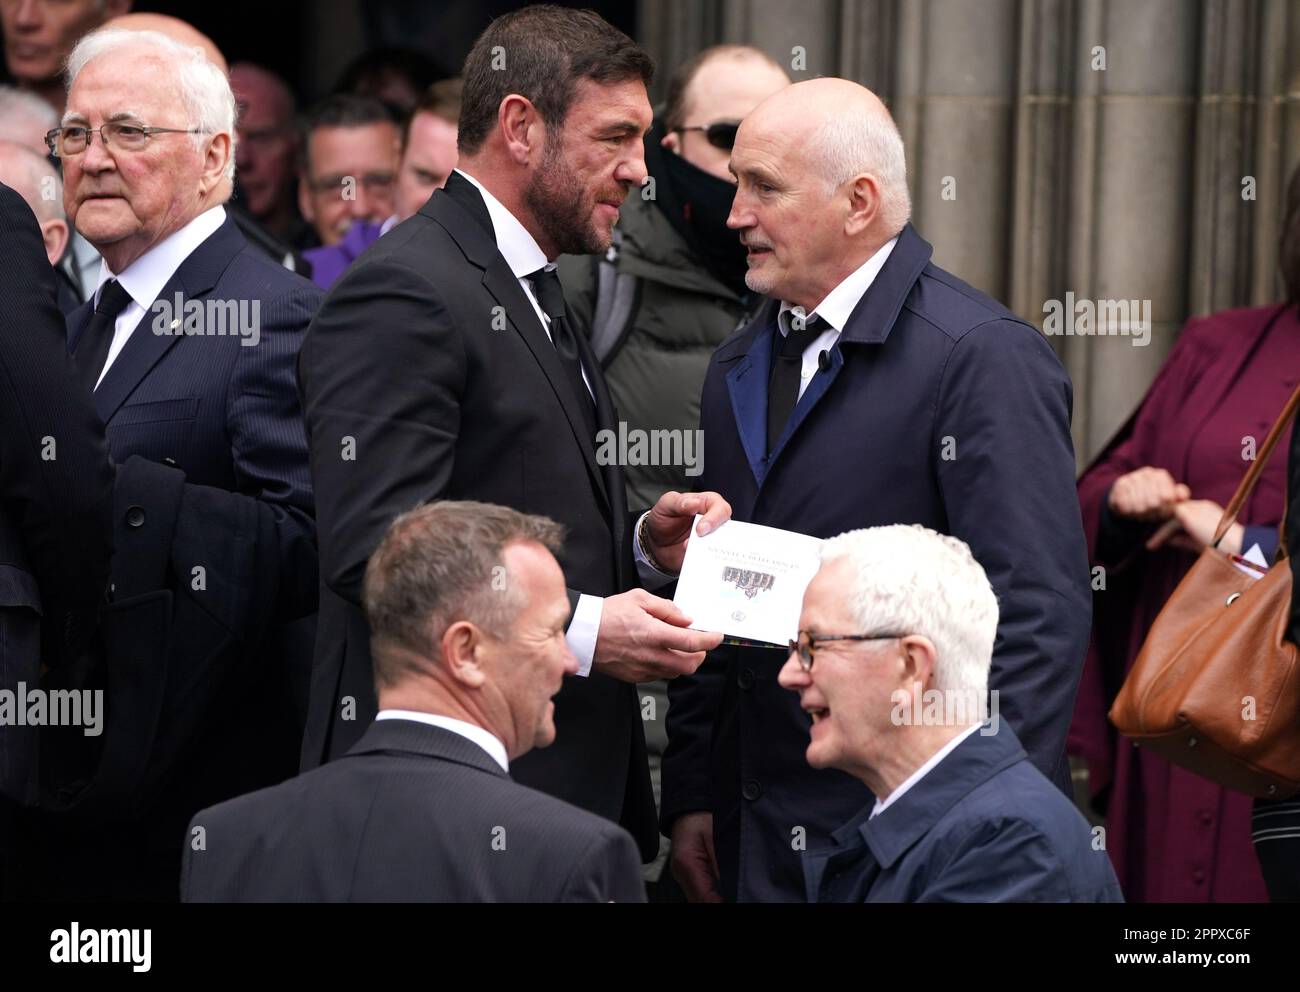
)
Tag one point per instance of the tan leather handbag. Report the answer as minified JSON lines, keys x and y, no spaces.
{"x":1216,"y":686}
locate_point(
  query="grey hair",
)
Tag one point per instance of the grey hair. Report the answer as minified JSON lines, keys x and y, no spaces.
{"x":39,"y":172}
{"x":15,"y":103}
{"x":203,"y":87}
{"x":439,"y":564}
{"x":850,"y":144}
{"x":913,"y":580}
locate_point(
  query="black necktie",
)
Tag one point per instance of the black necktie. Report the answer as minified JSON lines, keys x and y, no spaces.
{"x":93,"y":345}
{"x":787,"y":370}
{"x":550,"y":296}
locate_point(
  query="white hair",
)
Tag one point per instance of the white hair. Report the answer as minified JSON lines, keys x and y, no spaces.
{"x":912,"y":580}
{"x":849,"y":144}
{"x":203,"y":88}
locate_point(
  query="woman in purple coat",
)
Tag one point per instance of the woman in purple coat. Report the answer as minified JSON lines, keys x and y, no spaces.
{"x":1173,"y":836}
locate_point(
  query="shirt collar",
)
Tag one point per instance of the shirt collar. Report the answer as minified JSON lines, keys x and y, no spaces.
{"x":145,"y":278}
{"x":841,"y":301}
{"x":488,"y":741}
{"x":921,"y":772}
{"x":519,"y":248}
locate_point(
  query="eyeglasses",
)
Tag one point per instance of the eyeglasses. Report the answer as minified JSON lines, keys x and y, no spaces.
{"x":807,"y":642}
{"x":75,"y":138}
{"x":720,"y":134}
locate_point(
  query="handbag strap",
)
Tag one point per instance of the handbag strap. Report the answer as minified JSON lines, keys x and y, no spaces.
{"x":1247,"y":485}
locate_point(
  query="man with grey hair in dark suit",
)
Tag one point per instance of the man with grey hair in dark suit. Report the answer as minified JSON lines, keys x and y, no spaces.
{"x":467,"y":609}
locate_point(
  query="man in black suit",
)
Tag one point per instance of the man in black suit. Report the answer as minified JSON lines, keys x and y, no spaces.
{"x":56,"y":497}
{"x":442,"y":366}
{"x":467,"y":608}
{"x":189,"y":344}
{"x":874,"y":388}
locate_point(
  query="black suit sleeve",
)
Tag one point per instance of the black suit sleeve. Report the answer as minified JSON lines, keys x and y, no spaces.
{"x":610,"y":871}
{"x":382,"y":373}
{"x":56,"y":480}
{"x":1005,"y":464}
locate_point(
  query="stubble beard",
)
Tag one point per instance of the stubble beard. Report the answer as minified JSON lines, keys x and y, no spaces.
{"x":559,"y":202}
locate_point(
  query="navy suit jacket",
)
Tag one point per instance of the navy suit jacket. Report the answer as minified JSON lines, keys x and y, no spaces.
{"x":215,"y":545}
{"x":983,"y":825}
{"x":223,"y":412}
{"x":938,"y":407}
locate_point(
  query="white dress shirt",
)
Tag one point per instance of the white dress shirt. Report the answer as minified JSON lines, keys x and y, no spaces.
{"x":487,"y":740}
{"x":835,"y":310}
{"x":145,"y":278}
{"x":524,"y":256}
{"x":920,"y":773}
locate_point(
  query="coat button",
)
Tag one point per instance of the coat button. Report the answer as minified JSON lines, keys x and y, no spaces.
{"x":752,"y":790}
{"x":1205,"y":817}
{"x":746,"y":679}
{"x":135,"y":516}
{"x":1198,"y":876}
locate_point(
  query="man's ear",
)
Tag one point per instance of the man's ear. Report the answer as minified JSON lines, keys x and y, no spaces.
{"x":462,"y":649}
{"x":215,"y":161}
{"x":521,"y":128}
{"x":55,"y":234}
{"x":673,"y":142}
{"x":864,"y":203}
{"x":918,"y":660}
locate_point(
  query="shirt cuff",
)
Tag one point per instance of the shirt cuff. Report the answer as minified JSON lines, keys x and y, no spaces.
{"x":583,"y":628}
{"x":651,"y":576}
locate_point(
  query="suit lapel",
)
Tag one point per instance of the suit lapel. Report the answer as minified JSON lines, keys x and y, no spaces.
{"x":192,"y":280}
{"x":606,"y":419}
{"x":462,"y":213}
{"x":747,"y":387}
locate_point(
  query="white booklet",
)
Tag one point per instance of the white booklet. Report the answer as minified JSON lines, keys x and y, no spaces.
{"x":747,"y":581}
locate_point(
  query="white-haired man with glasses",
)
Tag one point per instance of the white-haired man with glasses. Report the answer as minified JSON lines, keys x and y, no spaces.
{"x":892,"y":667}
{"x":189,"y":344}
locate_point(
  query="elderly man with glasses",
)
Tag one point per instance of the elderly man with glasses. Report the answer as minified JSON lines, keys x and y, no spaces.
{"x":189,"y":345}
{"x":892,"y":667}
